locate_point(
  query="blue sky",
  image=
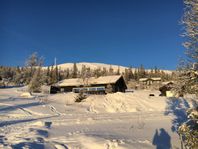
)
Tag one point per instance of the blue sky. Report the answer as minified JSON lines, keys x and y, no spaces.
{"x":123,"y":32}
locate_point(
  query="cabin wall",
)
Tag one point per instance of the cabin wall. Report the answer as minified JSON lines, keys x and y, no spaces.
{"x":120,"y":85}
{"x":54,"y":90}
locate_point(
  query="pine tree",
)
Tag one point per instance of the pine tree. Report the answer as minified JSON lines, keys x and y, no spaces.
{"x":18,"y":78}
{"x":104,"y":71}
{"x":136,"y":77}
{"x":110,"y":70}
{"x":75,"y":71}
{"x":118,"y":71}
{"x":141,"y":72}
{"x":97,"y":72}
{"x":56,"y":74}
{"x":130,"y":71}
{"x":126,"y":75}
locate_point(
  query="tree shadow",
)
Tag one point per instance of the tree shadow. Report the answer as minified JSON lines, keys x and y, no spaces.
{"x":10,"y":99}
{"x":12,"y":108}
{"x":30,"y":145}
{"x":162,"y":139}
{"x":177,"y":107}
{"x":40,"y":132}
{"x":12,"y":122}
{"x":3,"y":140}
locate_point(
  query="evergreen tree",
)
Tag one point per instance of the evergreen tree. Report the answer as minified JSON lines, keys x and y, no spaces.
{"x":126,"y":75}
{"x":75,"y":71}
{"x":18,"y":78}
{"x":130,"y":71}
{"x":56,"y":74}
{"x":118,"y":71}
{"x":104,"y":71}
{"x":97,"y":72}
{"x":110,"y":71}
{"x":141,"y":72}
{"x":136,"y":77}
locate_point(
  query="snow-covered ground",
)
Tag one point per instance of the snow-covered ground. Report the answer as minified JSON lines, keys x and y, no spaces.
{"x":113,"y":121}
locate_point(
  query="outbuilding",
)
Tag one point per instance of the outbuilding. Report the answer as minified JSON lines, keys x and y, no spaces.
{"x":149,"y":81}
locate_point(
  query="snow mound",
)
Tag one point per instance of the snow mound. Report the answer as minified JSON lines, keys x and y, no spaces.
{"x":26,"y":95}
{"x":125,"y":102}
{"x":139,"y":101}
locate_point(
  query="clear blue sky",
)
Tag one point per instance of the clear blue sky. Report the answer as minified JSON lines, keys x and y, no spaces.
{"x":123,"y":32}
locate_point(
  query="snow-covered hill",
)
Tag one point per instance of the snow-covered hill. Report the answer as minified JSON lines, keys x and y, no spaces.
{"x":93,"y":66}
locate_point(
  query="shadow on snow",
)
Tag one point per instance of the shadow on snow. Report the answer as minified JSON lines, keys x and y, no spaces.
{"x":177,"y":107}
{"x":14,"y":107}
{"x":162,"y":139}
{"x":12,"y":122}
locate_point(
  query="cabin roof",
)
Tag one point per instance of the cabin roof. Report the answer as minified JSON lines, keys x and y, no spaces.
{"x":146,"y":79}
{"x":156,"y":79}
{"x":92,"y":80}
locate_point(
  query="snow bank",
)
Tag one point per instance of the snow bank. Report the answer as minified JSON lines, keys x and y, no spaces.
{"x":26,"y":95}
{"x":64,"y":98}
{"x":125,"y":102}
{"x":116,"y":102}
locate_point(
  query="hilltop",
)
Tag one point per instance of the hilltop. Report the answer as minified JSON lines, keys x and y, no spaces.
{"x":94,"y":66}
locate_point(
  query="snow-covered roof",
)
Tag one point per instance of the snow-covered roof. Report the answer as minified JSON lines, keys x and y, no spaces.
{"x":92,"y":80}
{"x":143,"y":79}
{"x":156,"y":79}
{"x":146,"y":79}
{"x":168,"y":82}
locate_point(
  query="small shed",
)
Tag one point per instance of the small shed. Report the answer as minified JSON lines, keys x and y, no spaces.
{"x":166,"y":88}
{"x":91,"y":85}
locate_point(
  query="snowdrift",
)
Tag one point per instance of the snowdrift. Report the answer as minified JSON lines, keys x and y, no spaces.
{"x":116,"y":102}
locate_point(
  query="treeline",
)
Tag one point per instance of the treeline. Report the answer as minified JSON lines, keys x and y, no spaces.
{"x":33,"y":71}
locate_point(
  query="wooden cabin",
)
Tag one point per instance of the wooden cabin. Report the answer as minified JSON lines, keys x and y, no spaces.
{"x":91,"y":85}
{"x":149,"y":81}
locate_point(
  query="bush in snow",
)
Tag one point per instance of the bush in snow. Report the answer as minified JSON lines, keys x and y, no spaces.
{"x":109,"y":88}
{"x":188,"y":131}
{"x":81,"y":96}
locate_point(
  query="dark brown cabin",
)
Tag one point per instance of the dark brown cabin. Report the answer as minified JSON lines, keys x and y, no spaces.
{"x":92,"y":85}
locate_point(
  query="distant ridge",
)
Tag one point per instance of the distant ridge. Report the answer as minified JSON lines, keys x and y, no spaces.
{"x":93,"y":66}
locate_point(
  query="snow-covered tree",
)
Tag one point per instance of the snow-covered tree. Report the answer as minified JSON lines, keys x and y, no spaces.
{"x":188,"y":80}
{"x":34,"y":70}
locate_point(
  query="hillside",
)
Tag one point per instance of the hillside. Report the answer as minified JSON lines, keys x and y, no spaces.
{"x":93,"y":66}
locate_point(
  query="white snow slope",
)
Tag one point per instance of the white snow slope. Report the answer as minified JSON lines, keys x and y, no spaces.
{"x":93,"y":66}
{"x":112,"y":121}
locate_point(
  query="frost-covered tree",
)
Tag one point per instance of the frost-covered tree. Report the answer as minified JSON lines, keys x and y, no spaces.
{"x":36,"y":81}
{"x":34,"y":70}
{"x":188,"y":80}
